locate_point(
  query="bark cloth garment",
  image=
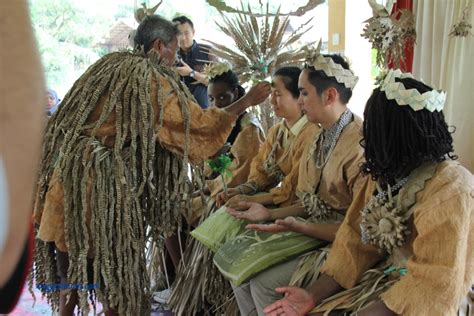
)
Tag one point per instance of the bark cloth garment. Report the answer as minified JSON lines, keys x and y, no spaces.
{"x":335,"y":185}
{"x":432,"y":270}
{"x":276,"y":165}
{"x":114,"y":174}
{"x":198,"y":281}
{"x":244,"y":149}
{"x":278,"y":159}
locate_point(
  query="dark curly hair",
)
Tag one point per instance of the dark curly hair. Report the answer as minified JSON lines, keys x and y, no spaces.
{"x":398,"y":139}
{"x":231,"y":79}
{"x":321,"y":81}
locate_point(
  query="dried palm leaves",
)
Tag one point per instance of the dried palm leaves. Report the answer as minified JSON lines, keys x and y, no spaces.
{"x":389,"y":34}
{"x":222,"y":7}
{"x":463,"y":27}
{"x":261,"y":41}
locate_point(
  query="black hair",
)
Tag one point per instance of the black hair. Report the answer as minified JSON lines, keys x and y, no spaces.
{"x":290,"y":76}
{"x":152,"y":28}
{"x":398,"y":139}
{"x":182,"y":20}
{"x":321,"y":81}
{"x":231,"y":79}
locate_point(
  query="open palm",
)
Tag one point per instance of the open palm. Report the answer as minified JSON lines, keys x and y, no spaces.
{"x":297,"y":302}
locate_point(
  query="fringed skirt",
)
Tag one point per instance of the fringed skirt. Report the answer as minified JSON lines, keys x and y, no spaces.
{"x":199,"y":286}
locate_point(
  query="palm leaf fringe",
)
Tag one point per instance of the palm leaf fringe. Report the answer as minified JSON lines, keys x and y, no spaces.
{"x":199,"y":287}
{"x":121,"y":190}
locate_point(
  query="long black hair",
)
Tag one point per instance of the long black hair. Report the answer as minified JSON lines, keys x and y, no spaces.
{"x":398,"y":139}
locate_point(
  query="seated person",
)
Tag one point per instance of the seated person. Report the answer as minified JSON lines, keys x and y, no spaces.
{"x":406,"y":249}
{"x":277,"y":161}
{"x":274,"y":171}
{"x":246,"y":136}
{"x":244,"y":140}
{"x":329,"y":178}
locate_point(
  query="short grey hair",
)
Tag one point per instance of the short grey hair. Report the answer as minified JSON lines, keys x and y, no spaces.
{"x":152,"y":28}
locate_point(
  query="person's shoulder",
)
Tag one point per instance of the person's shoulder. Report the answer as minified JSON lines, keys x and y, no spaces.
{"x":273,"y":131}
{"x":449,"y":179}
{"x":310,"y":128}
{"x":250,"y":121}
{"x":453,"y":173}
{"x":354,"y":129}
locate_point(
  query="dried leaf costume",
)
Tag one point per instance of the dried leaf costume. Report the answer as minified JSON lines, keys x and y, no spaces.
{"x":114,"y":175}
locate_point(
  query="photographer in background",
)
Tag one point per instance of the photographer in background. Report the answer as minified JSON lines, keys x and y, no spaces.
{"x":192,"y":59}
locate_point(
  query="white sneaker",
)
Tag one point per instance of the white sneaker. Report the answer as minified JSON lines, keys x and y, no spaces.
{"x":162,"y":297}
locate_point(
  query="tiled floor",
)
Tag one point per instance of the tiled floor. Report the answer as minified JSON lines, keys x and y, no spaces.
{"x":25,"y":306}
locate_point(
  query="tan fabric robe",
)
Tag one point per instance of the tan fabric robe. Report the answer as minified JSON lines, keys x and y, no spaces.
{"x":208,"y":131}
{"x":441,"y":258}
{"x":288,"y":155}
{"x":340,"y":179}
{"x":244,"y":149}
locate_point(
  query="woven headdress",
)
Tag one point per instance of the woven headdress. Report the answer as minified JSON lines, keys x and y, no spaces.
{"x":432,"y":100}
{"x":213,"y":70}
{"x":330,"y":68}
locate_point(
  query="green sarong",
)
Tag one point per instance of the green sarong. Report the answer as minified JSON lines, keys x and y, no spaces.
{"x":217,"y":229}
{"x":251,"y":252}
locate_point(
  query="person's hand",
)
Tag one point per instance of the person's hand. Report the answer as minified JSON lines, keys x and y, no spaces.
{"x":184,"y":70}
{"x":253,"y":212}
{"x":234,"y":202}
{"x":297,"y":302}
{"x":288,"y":224}
{"x":258,"y":93}
{"x":222,"y":197}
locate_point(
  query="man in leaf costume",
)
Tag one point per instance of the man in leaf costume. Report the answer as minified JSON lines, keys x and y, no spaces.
{"x":114,"y":172}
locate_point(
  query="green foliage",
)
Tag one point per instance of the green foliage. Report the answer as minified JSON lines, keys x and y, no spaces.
{"x":220,"y":164}
{"x":67,"y":35}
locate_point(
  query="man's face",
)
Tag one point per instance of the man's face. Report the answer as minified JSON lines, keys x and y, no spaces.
{"x":311,"y":103}
{"x":186,"y":37}
{"x":168,"y":52}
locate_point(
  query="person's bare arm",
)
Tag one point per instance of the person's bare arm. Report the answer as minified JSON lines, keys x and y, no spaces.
{"x":255,"y":96}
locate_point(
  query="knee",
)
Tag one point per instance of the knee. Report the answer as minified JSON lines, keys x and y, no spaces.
{"x":262,"y":283}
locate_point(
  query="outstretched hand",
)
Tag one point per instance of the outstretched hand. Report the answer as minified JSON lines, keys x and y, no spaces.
{"x":297,"y":302}
{"x":222,"y":197}
{"x":234,"y":202}
{"x":288,"y":224}
{"x":251,"y":212}
{"x":258,"y":93}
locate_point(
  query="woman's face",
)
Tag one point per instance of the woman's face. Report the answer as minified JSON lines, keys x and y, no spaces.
{"x":284,"y":104}
{"x":221,"y":95}
{"x":309,"y":100}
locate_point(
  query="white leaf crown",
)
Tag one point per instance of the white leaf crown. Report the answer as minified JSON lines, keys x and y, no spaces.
{"x":432,"y":100}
